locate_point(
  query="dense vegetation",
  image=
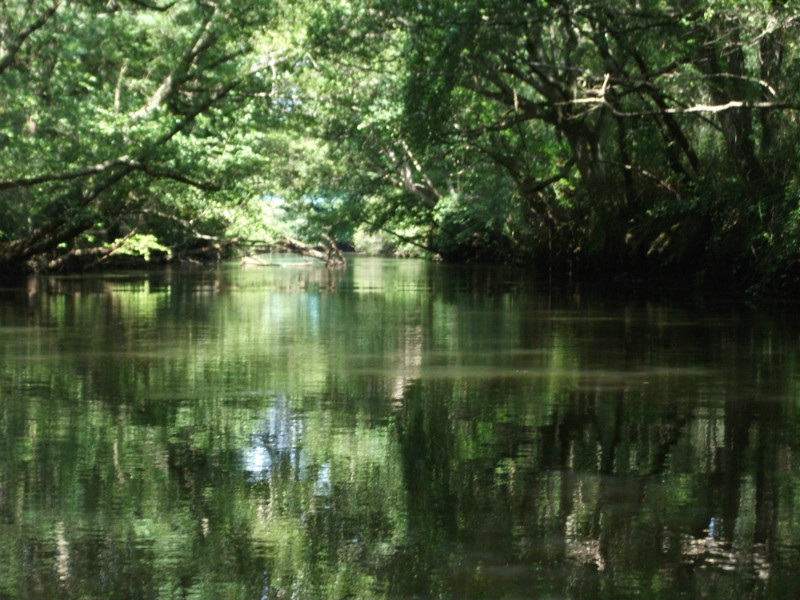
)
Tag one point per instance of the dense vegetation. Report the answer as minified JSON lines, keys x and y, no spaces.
{"x":650,"y":138}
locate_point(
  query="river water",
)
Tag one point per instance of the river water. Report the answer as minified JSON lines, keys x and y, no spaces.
{"x":396,"y":429}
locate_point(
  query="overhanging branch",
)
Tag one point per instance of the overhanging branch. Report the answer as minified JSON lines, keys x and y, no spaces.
{"x":601,"y":101}
{"x":206,"y":186}
{"x":22,"y":182}
{"x":202,"y":41}
{"x":16,"y":43}
{"x":153,"y":5}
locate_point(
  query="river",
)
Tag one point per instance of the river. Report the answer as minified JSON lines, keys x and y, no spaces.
{"x":396,"y":429}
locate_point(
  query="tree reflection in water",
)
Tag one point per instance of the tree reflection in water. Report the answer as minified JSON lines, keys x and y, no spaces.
{"x":439,"y":433}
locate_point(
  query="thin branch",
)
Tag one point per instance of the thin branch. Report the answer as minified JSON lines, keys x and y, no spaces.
{"x":10,"y":184}
{"x":118,"y":87}
{"x":206,"y":186}
{"x":202,"y":41}
{"x":128,"y":162}
{"x":645,"y":173}
{"x":122,"y":161}
{"x":201,"y":107}
{"x":599,"y":102}
{"x":399,"y":236}
{"x":48,"y":236}
{"x":153,"y":6}
{"x":542,"y":184}
{"x":187,"y":225}
{"x":20,"y":38}
{"x":419,"y":169}
{"x":101,"y":252}
{"x":332,"y":256}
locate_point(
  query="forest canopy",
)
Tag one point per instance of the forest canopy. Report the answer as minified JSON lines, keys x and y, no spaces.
{"x":646,"y":139}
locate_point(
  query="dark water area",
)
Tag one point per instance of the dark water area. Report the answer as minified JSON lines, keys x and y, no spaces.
{"x":397,"y":429}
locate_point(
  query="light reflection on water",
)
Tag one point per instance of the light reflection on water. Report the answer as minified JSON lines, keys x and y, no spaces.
{"x":277,"y":441}
{"x":397,"y":429}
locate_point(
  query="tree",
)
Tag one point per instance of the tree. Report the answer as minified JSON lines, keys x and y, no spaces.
{"x":573,"y":135}
{"x":124,"y":116}
{"x":629,"y":138}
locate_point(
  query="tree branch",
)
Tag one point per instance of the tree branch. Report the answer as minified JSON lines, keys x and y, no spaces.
{"x":101,"y":252}
{"x":419,"y":169}
{"x":47,"y":237}
{"x":20,"y":38}
{"x":202,"y":41}
{"x":153,"y":6}
{"x":601,"y":101}
{"x":187,"y":225}
{"x":206,"y":186}
{"x":10,"y":184}
{"x":127,"y":161}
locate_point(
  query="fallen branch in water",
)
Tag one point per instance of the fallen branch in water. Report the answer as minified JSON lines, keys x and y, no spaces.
{"x":329,"y":254}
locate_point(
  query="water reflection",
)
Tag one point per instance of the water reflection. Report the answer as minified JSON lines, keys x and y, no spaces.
{"x":277,"y":444}
{"x":396,"y":429}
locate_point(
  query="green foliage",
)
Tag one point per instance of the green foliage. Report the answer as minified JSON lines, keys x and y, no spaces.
{"x":122,"y":115}
{"x":142,"y":245}
{"x":634,"y":140}
{"x":582,"y":136}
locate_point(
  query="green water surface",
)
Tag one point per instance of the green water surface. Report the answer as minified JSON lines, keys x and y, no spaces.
{"x":397,"y":429}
